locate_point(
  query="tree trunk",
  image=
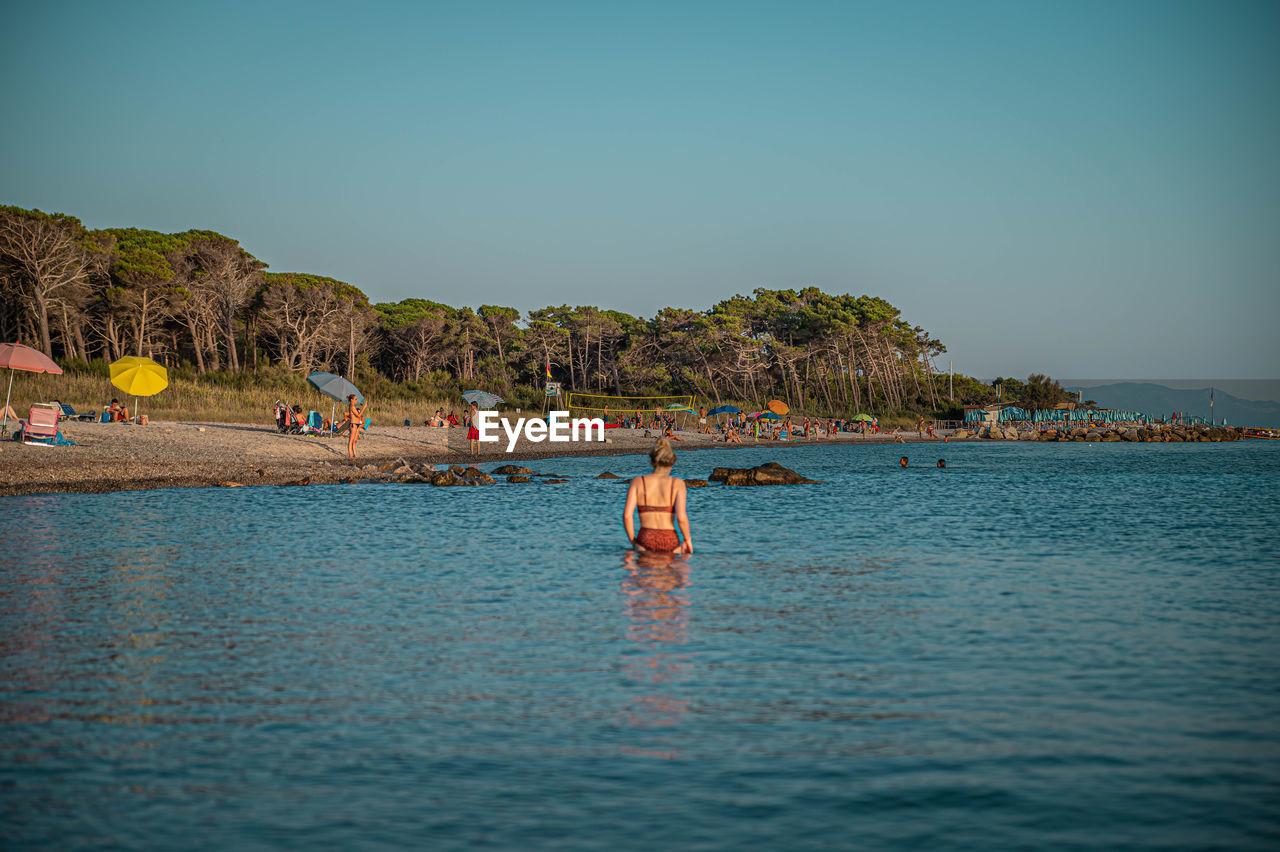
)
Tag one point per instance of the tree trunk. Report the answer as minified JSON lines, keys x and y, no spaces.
{"x":197,"y":343}
{"x":233,"y":357}
{"x":42,"y":318}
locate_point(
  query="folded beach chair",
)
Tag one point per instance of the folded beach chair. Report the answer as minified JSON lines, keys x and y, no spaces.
{"x":41,"y":426}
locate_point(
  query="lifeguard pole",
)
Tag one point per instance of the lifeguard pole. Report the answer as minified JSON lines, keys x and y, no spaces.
{"x":550,"y":391}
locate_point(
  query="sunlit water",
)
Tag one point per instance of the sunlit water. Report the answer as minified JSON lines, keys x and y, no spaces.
{"x":1040,"y":646}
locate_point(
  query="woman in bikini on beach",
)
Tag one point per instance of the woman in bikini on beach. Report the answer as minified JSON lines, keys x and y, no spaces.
{"x":658,"y":498}
{"x":355,"y":424}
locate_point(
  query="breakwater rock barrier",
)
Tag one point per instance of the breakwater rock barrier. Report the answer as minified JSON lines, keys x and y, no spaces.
{"x":1155,"y":434}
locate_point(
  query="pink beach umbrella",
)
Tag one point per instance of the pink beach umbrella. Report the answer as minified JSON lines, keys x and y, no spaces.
{"x":15,"y":356}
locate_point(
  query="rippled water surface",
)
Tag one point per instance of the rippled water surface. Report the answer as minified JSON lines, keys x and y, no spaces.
{"x":1040,"y":646}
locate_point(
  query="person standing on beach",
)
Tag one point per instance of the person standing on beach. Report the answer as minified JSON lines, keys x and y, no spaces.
{"x":658,"y":498}
{"x":473,"y":432}
{"x":920,"y":426}
{"x":355,"y":424}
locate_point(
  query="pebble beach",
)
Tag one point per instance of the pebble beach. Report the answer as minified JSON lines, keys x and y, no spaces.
{"x":118,"y":456}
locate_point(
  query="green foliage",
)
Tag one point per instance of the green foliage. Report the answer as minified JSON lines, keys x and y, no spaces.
{"x":304,"y":281}
{"x":176,"y":296}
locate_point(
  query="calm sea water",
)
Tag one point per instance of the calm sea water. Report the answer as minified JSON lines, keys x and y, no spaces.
{"x":1040,"y":646}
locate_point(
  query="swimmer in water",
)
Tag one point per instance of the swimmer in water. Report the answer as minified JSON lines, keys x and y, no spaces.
{"x":903,"y":461}
{"x":942,"y":462}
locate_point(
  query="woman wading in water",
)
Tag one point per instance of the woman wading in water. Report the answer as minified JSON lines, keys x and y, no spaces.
{"x":659,"y":498}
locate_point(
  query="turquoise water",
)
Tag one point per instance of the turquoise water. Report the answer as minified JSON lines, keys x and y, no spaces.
{"x":1040,"y":646}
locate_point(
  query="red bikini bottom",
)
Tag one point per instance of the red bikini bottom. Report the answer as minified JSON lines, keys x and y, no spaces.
{"x":663,"y":541}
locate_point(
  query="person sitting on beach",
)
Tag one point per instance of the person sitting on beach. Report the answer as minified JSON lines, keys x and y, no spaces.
{"x":669,"y":435}
{"x":658,"y":498}
{"x":731,"y":436}
{"x":453,"y":419}
{"x":119,"y":413}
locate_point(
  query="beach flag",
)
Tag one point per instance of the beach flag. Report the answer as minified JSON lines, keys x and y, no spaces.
{"x":548,"y":369}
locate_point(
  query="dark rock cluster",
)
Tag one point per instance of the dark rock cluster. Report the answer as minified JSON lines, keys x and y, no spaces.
{"x":1098,"y":433}
{"x":769,"y":473}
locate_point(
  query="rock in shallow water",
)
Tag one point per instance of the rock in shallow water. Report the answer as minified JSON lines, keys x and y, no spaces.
{"x":608,"y":475}
{"x":770,"y":473}
{"x":512,"y":470}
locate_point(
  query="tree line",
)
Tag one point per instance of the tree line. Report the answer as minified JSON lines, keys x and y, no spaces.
{"x":199,"y":298}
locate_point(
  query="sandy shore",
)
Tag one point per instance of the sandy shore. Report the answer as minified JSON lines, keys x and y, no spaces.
{"x":118,"y":457}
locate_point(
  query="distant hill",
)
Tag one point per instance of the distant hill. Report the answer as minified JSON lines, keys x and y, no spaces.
{"x":1161,"y":401}
{"x":1252,"y":389}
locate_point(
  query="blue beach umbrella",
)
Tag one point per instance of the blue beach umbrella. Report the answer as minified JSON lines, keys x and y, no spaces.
{"x":725,"y":409}
{"x":334,"y":387}
{"x":482,"y":399}
{"x":769,"y":415}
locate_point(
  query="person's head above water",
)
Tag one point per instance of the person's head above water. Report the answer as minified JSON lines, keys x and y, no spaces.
{"x":662,"y":455}
{"x":942,"y":462}
{"x":903,"y":461}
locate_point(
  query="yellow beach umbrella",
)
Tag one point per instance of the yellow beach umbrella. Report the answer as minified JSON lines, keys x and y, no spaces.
{"x":138,"y":376}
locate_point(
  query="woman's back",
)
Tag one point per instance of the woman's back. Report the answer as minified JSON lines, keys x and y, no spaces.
{"x":657,"y":500}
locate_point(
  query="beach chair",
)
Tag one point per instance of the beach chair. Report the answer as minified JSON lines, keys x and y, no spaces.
{"x":41,"y":426}
{"x":70,"y":413}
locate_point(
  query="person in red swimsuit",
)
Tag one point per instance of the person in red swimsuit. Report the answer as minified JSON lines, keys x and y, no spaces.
{"x":473,"y":432}
{"x":659,"y":498}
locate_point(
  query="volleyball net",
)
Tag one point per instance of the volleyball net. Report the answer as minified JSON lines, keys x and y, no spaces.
{"x":595,"y":402}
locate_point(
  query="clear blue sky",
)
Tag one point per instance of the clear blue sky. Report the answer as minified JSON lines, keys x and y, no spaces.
{"x":1086,"y":189}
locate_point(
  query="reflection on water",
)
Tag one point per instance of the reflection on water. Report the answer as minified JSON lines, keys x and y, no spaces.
{"x":898,"y":658}
{"x":657,"y":607}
